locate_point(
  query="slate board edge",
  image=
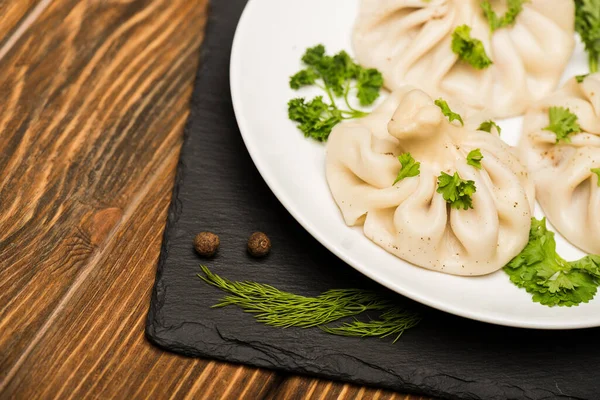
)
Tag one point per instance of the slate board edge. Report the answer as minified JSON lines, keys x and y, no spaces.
{"x":175,"y":207}
{"x":223,"y":354}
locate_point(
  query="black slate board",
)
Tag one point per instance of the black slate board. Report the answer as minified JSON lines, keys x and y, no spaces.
{"x":219,"y":189}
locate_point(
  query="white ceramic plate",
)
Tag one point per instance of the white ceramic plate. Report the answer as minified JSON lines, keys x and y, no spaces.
{"x":271,"y":37}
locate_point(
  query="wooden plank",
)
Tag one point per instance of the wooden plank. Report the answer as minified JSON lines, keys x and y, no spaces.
{"x":297,"y":388}
{"x":12,"y":13}
{"x":94,"y":91}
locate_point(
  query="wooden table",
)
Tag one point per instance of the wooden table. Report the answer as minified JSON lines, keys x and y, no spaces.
{"x":94,"y":99}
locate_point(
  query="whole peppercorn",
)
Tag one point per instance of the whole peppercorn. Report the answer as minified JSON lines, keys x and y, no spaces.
{"x":259,"y":244}
{"x":206,"y":243}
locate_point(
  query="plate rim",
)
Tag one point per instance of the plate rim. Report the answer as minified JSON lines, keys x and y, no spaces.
{"x":282,"y":197}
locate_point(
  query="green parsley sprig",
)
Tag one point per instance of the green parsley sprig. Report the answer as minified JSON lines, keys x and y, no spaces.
{"x":487,"y":126}
{"x":510,"y":16}
{"x":587,"y":24}
{"x":409,"y":167}
{"x":456,"y":191}
{"x":337,"y":76}
{"x":277,"y":308}
{"x":474,"y":158}
{"x":552,"y":280}
{"x":469,"y":49}
{"x":315,"y":118}
{"x":452,"y":116}
{"x":563,"y":123}
{"x":581,"y":78}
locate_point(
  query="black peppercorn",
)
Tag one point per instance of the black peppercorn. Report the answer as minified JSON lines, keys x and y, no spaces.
{"x":206,"y":243}
{"x":259,"y":244}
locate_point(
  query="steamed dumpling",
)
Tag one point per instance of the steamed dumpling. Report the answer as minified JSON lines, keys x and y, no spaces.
{"x":410,"y":219}
{"x":567,"y":188}
{"x":409,"y":41}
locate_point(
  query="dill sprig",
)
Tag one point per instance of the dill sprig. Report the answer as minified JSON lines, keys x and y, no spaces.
{"x":282,"y":309}
{"x":274,"y":307}
{"x":392,"y":322}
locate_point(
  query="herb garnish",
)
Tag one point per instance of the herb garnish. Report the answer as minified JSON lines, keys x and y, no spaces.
{"x":456,"y":191}
{"x":277,"y":308}
{"x":474,"y":158}
{"x":587,"y":24}
{"x":316,"y":118}
{"x":581,"y":78}
{"x":514,"y":9}
{"x":488,"y":125}
{"x":392,"y":322}
{"x":597,"y":172}
{"x":452,"y":116}
{"x":469,"y":49}
{"x":409,"y":168}
{"x":336,"y":75}
{"x":562,"y":123}
{"x":552,"y":280}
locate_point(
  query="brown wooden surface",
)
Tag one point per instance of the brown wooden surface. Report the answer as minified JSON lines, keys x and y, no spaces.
{"x":95,"y":96}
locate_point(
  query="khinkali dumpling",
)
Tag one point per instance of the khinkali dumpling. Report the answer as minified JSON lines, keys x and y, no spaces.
{"x":410,"y":41}
{"x":410,"y":218}
{"x":563,"y":172}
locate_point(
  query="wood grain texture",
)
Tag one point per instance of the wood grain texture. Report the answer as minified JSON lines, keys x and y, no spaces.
{"x":81,"y":143}
{"x":82,"y":146}
{"x":297,"y":388}
{"x":96,"y":96}
{"x":12,"y":13}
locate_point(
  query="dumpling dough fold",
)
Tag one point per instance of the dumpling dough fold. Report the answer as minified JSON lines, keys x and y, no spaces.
{"x":567,"y":189}
{"x":410,"y":219}
{"x":410,"y":42}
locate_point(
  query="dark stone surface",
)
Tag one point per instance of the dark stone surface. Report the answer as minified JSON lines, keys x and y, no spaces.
{"x":218,"y":189}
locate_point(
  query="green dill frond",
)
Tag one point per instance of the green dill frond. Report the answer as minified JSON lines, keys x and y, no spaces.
{"x":392,"y":322}
{"x":275,"y":307}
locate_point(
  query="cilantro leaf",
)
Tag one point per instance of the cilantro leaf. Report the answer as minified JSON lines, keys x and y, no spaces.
{"x":469,"y":49}
{"x":452,"y":116}
{"x":488,"y":125}
{"x":597,"y":172}
{"x":456,"y":191}
{"x":581,"y":78}
{"x":335,"y":75}
{"x":474,"y":158}
{"x":410,"y":167}
{"x":369,"y":82}
{"x":548,"y":277}
{"x":316,"y":118}
{"x":514,"y":9}
{"x":587,"y":24}
{"x":589,"y":264}
{"x":562,"y":123}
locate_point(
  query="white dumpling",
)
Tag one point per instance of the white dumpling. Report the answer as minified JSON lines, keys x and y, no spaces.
{"x":409,"y":41}
{"x":410,"y":219}
{"x":567,"y":189}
